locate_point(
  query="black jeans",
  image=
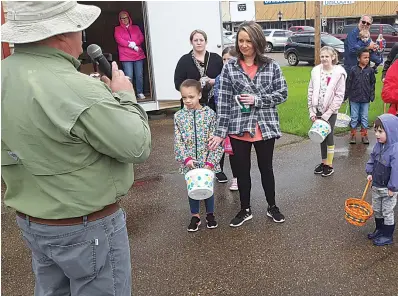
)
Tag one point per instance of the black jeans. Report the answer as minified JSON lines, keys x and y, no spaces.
{"x":265,"y":153}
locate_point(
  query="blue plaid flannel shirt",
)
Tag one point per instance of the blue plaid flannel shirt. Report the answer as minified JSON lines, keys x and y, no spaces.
{"x":269,"y":89}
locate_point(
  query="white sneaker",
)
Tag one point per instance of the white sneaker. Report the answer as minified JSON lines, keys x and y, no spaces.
{"x":141,"y":96}
{"x":234,"y":185}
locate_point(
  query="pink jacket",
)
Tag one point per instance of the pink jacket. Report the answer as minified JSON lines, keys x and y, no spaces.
{"x":334,"y":96}
{"x":124,"y":35}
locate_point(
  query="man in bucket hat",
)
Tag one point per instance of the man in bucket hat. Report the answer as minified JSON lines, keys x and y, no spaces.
{"x":68,"y":145}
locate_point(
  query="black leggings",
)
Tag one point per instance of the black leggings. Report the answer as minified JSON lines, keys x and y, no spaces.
{"x":242,"y":153}
{"x":329,"y":141}
{"x":231,"y":163}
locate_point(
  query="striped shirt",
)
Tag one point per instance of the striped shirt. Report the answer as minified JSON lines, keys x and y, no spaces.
{"x":269,"y":89}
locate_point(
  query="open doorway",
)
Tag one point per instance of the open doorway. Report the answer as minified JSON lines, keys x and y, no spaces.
{"x":101,"y":32}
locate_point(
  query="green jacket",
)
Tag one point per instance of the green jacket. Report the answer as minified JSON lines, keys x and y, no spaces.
{"x":68,"y":143}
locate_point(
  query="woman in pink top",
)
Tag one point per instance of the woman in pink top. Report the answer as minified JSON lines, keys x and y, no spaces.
{"x":129,"y":39}
{"x":251,"y":87}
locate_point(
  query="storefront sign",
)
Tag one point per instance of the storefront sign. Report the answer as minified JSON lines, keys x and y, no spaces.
{"x":279,"y":2}
{"x":242,"y":7}
{"x":337,"y":2}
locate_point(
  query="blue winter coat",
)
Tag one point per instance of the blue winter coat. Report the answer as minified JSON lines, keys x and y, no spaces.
{"x":383,"y":162}
{"x":361,"y":84}
{"x":352,"y":45}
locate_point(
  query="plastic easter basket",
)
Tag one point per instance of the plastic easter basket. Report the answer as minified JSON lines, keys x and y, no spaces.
{"x":343,"y":119}
{"x":358,"y":211}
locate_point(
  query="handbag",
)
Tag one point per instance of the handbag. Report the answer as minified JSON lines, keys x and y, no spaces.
{"x":207,"y":89}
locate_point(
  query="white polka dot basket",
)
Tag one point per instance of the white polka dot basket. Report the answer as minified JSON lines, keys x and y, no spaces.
{"x":200,"y":183}
{"x":320,"y":129}
{"x":343,"y":119}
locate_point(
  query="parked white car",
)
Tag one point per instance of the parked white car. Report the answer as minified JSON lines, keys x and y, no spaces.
{"x":227,"y":42}
{"x":276,"y":38}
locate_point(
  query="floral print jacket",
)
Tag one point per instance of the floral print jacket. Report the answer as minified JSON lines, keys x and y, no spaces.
{"x":192,"y":130}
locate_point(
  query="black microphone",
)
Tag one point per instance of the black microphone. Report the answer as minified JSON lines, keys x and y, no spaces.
{"x":95,"y":53}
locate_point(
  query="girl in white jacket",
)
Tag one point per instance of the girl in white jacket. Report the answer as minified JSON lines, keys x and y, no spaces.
{"x":325,"y":96}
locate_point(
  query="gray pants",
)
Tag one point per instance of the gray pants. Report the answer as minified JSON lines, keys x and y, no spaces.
{"x":82,"y":260}
{"x":329,"y":141}
{"x":383,"y":205}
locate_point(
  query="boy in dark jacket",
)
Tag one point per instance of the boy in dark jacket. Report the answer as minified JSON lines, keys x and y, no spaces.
{"x":361,"y":91}
{"x":382,"y":169}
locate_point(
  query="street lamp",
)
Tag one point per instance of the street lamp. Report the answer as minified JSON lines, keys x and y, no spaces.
{"x":280,"y":14}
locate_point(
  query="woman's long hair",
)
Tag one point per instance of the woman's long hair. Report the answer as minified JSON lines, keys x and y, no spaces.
{"x":257,"y":38}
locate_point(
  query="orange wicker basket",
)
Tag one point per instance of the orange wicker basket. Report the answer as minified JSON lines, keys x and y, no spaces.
{"x":358,"y":211}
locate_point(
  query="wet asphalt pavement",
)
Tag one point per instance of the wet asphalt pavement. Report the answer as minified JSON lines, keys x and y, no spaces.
{"x":315,"y":252}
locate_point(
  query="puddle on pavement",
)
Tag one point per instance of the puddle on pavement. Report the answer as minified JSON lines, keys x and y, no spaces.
{"x":353,"y":150}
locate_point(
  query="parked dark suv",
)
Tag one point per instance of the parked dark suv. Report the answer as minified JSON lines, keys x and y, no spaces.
{"x":301,"y":47}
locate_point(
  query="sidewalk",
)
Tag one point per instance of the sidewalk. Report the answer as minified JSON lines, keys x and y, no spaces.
{"x":315,"y":252}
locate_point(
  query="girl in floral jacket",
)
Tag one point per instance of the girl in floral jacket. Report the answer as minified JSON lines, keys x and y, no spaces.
{"x":193,"y":126}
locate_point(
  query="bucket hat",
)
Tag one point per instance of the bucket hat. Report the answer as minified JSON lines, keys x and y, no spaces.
{"x":31,"y":21}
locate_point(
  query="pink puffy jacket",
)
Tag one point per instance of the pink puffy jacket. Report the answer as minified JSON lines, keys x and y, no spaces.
{"x":124,"y":35}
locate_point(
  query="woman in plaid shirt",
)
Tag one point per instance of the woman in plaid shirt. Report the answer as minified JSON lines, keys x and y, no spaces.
{"x":251,"y":87}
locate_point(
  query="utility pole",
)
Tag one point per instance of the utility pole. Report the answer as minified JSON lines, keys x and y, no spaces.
{"x":305,"y":13}
{"x":317,"y":25}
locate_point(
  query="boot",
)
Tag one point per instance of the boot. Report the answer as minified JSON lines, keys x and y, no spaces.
{"x":387,"y":236}
{"x":364,"y":134}
{"x":353,"y":136}
{"x":379,"y":226}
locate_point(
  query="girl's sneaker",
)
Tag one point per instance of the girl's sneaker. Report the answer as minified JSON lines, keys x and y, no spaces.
{"x":211,"y":221}
{"x":194,"y":225}
{"x":234,"y":185}
{"x":327,"y":171}
{"x":319,"y":169}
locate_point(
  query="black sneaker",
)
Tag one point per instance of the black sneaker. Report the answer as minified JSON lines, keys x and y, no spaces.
{"x":194,"y":225}
{"x":319,"y":169}
{"x":243,"y":216}
{"x":211,"y":221}
{"x":275,"y":214}
{"x":221,"y":177}
{"x":327,"y":171}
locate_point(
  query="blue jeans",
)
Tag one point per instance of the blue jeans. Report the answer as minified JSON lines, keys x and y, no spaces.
{"x":359,"y":114}
{"x":92,"y":258}
{"x":195,"y":205}
{"x":136,"y":67}
{"x":376,"y":58}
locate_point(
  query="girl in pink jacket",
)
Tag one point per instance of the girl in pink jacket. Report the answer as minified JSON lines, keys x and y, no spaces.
{"x":325,"y":96}
{"x":129,"y":39}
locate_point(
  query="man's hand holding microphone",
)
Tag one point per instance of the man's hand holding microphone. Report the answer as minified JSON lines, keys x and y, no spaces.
{"x":119,"y":82}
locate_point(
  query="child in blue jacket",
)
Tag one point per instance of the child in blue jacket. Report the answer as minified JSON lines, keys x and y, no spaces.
{"x":382,"y":169}
{"x":361,"y":91}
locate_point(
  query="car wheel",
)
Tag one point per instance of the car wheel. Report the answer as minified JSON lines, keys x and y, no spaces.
{"x":268,"y":47}
{"x":292,"y":59}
